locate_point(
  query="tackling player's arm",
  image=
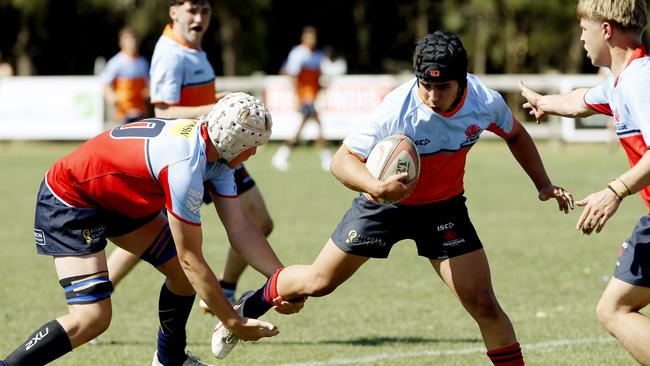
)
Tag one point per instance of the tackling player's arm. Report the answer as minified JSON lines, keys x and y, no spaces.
{"x":352,"y":172}
{"x":523,"y":148}
{"x":246,"y":238}
{"x":249,"y":241}
{"x":188,"y":239}
{"x":568,"y":105}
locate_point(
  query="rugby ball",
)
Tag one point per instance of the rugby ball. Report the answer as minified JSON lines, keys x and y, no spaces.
{"x":393,"y":155}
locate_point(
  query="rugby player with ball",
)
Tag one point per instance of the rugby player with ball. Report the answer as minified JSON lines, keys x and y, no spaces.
{"x":443,"y":110}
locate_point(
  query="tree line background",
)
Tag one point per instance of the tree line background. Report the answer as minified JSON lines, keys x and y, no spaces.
{"x":64,"y":37}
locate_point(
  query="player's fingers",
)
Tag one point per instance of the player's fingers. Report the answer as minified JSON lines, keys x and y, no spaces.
{"x":562,"y":204}
{"x":582,"y":202}
{"x":582,"y":219}
{"x":264,"y":329}
{"x":523,"y":87}
{"x":600,"y":224}
{"x":569,"y":197}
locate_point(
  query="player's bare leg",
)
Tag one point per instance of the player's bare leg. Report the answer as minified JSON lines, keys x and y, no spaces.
{"x":84,"y":321}
{"x":324,"y":153}
{"x":176,"y":294}
{"x":120,"y":263}
{"x":468,"y":277}
{"x":618,"y":311}
{"x":331,"y":268}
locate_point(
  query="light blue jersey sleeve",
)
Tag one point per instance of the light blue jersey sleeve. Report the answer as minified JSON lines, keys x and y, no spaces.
{"x":500,"y":112}
{"x":222,"y":179}
{"x":185,"y":184}
{"x":110,"y":71}
{"x":166,"y":77}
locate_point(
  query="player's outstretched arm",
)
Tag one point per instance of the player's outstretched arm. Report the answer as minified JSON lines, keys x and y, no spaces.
{"x":524,"y":150}
{"x":249,"y":242}
{"x":188,"y":240}
{"x":352,"y":172}
{"x":568,"y":105}
{"x":245,"y":237}
{"x":601,"y":205}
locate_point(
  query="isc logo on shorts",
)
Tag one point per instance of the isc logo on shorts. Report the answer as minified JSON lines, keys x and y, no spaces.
{"x":39,"y":237}
{"x":446,"y":226}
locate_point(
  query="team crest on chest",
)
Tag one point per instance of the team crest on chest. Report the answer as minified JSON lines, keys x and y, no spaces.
{"x":473,"y":131}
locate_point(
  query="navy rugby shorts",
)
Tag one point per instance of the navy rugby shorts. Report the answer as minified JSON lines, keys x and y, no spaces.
{"x":308,"y":109}
{"x":441,"y":230}
{"x":62,"y":230}
{"x":633,"y":262}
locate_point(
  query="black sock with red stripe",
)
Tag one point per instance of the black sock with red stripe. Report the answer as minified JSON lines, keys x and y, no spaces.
{"x":262,"y":300}
{"x":507,"y":356}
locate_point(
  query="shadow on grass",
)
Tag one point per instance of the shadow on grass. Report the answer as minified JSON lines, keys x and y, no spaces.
{"x":364,"y":342}
{"x":379,"y":341}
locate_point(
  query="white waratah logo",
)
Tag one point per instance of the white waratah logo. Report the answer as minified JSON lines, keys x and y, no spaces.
{"x":40,"y":335}
{"x":351,"y":236}
{"x":194,"y":200}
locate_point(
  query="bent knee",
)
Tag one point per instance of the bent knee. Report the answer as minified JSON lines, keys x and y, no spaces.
{"x":483,"y":306}
{"x":85,"y":322}
{"x":607,"y":314}
{"x":266,"y":227}
{"x":96,"y":318}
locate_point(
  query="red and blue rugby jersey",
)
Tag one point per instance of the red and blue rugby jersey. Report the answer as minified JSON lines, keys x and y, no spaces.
{"x":140,"y":168}
{"x":626,"y":98}
{"x":442,"y":140}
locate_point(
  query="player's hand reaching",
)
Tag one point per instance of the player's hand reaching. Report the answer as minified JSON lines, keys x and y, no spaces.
{"x":532,"y":102}
{"x":563,"y":197}
{"x":249,"y":329}
{"x":599,"y":207}
{"x":283,"y":306}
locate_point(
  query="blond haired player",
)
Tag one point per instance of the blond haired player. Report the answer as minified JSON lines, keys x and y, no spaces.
{"x":611,"y":33}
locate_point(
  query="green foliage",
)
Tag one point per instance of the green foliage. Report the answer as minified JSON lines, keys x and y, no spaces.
{"x":524,"y":36}
{"x":391,"y":312}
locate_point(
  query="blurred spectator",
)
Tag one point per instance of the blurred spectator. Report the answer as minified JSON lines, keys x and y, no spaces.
{"x":6,"y":69}
{"x":304,"y":65}
{"x":126,"y":79}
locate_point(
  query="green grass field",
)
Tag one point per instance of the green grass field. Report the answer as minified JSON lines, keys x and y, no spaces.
{"x":547,"y":276}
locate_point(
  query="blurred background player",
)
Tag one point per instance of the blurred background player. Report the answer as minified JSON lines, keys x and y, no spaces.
{"x":183,"y":86}
{"x":126,"y":80}
{"x":449,"y":108}
{"x":611,"y":32}
{"x":112,"y":187}
{"x":304,"y":65}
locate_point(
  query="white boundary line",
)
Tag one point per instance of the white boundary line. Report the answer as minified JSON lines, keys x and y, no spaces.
{"x":451,"y":352}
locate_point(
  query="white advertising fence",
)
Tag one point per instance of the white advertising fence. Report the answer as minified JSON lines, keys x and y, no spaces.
{"x":72,"y":108}
{"x":50,"y":108}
